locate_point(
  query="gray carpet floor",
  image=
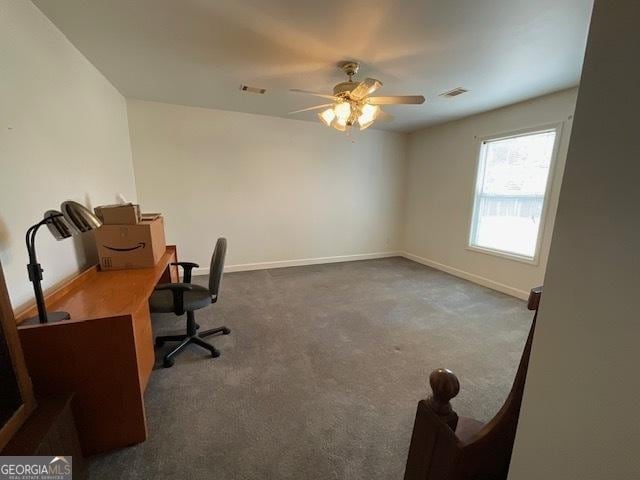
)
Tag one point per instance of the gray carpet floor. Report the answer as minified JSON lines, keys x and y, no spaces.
{"x":321,"y":374}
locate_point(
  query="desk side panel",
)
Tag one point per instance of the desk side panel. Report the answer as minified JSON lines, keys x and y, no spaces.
{"x":172,"y":272}
{"x":144,"y":344}
{"x":96,"y":360}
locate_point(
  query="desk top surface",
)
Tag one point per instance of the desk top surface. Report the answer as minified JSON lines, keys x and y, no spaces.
{"x":97,"y":294}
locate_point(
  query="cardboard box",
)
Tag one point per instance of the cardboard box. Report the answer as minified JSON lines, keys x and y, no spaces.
{"x":126,"y":214}
{"x":149,"y":216}
{"x":131,"y":246}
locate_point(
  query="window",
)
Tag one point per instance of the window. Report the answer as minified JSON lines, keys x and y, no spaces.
{"x":510,"y":194}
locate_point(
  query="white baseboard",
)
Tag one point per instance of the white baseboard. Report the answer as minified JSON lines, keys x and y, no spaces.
{"x":485,"y":282}
{"x":243,"y":267}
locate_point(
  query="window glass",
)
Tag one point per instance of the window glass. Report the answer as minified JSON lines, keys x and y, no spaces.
{"x":510,"y":192}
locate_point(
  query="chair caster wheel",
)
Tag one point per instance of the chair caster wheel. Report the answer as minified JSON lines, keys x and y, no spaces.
{"x":215,"y":354}
{"x":197,"y":326}
{"x":159,"y":343}
{"x":168,"y":362}
{"x":226,"y":331}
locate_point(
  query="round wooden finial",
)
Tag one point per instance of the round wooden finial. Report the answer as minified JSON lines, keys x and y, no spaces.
{"x":445,"y":386}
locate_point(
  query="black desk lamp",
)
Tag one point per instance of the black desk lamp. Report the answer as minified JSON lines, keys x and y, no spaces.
{"x":74,"y":218}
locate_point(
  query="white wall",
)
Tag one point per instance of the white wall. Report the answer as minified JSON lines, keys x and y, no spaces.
{"x":63,"y":135}
{"x":440,"y":184}
{"x":579,"y":418}
{"x":280,"y":190}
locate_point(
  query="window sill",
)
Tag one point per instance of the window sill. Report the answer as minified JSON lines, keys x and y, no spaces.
{"x":535,"y":261}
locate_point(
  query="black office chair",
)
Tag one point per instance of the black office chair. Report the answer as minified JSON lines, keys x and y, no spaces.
{"x":185,"y":297}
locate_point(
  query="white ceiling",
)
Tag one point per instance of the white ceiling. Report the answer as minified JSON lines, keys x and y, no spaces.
{"x":198,"y":52}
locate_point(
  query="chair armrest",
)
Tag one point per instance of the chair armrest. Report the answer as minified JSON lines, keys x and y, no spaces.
{"x":177,"y":289}
{"x":187,"y":267}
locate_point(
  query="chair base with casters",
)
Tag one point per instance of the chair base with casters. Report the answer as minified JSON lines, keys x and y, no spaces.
{"x":186,"y":297}
{"x":192,"y":336}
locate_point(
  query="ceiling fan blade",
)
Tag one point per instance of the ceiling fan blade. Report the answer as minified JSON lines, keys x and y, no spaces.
{"x":384,"y":117}
{"x":364,"y":88}
{"x":397,"y":100}
{"x":310,"y":108}
{"x":323,"y":95}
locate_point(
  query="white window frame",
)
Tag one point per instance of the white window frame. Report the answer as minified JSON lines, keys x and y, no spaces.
{"x":557,"y":126}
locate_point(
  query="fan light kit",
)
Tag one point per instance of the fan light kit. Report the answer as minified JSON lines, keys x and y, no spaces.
{"x":352,"y":104}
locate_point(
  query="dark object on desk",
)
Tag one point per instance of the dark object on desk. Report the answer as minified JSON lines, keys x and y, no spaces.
{"x":185,"y":297}
{"x":74,"y":218}
{"x":445,"y":447}
{"x":50,"y":430}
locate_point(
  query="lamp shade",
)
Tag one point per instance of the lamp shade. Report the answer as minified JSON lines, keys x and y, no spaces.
{"x":79,"y":216}
{"x":58,"y":226}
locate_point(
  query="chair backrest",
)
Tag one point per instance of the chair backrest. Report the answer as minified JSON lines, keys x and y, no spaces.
{"x":217,"y":266}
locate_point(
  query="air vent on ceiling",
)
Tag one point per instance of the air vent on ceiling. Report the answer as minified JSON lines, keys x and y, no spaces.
{"x":247,"y":88}
{"x":454,"y":93}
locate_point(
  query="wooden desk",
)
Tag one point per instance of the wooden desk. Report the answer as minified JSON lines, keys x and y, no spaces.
{"x":104,"y":353}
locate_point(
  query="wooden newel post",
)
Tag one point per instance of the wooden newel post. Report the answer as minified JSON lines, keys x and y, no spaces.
{"x":438,"y":452}
{"x":534,"y":298}
{"x":445,"y":386}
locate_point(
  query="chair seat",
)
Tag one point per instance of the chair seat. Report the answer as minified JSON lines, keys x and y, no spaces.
{"x":161,"y":301}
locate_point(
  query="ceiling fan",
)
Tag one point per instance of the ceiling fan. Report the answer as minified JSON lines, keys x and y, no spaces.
{"x":351,"y":103}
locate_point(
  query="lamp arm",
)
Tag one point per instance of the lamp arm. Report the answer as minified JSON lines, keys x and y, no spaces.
{"x":31,"y":241}
{"x":30,"y":237}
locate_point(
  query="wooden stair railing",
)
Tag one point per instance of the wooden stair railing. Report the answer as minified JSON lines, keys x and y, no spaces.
{"x":446,"y":447}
